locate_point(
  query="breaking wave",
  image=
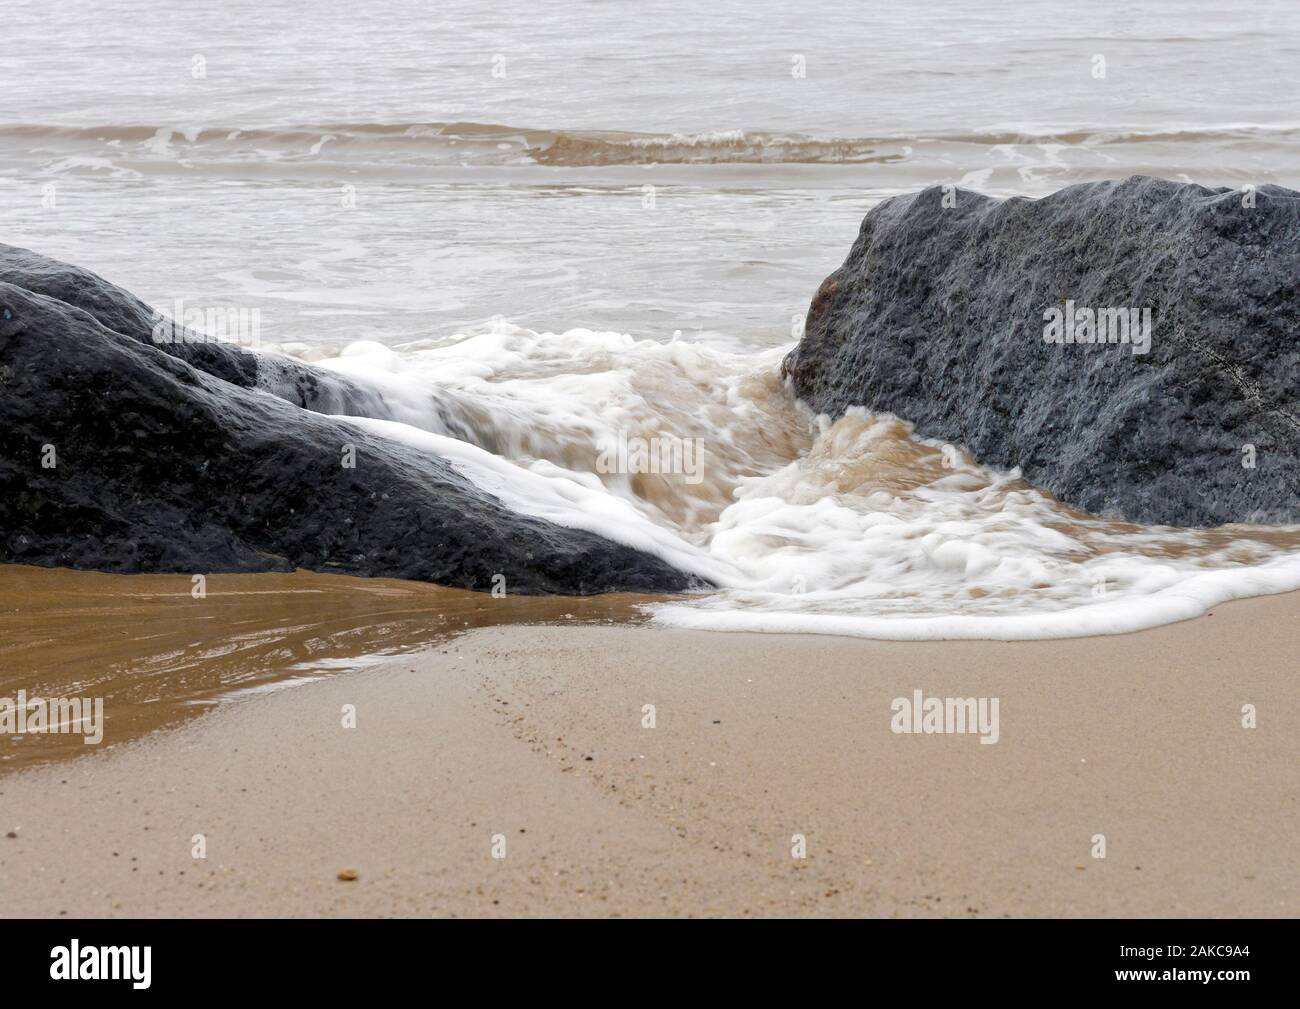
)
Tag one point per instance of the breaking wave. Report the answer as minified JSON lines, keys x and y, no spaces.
{"x":857,"y":526}
{"x":480,"y":144}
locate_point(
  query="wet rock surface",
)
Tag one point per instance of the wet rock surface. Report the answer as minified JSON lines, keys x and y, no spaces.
{"x":943,"y":315}
{"x":121,"y":454}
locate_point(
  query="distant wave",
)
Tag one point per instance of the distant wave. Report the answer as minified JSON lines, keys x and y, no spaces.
{"x":487,"y":143}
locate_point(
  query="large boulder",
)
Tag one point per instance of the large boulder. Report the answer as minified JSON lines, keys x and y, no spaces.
{"x":951,"y":312}
{"x":119,"y":454}
{"x":124,"y":313}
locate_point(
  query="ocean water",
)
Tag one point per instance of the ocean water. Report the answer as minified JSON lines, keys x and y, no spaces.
{"x":583,"y":225}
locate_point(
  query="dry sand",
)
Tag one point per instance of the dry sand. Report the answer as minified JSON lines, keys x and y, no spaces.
{"x":534,"y":736}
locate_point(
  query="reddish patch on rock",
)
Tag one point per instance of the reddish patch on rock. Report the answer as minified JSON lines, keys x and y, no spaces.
{"x":822,"y":298}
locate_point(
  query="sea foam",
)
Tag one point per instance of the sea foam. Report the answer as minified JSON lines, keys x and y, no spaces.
{"x":856,"y":527}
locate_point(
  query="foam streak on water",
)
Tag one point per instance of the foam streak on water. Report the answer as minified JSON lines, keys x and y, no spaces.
{"x":853,"y":527}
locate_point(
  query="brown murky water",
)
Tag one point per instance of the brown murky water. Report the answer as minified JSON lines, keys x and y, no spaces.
{"x":157,"y":655}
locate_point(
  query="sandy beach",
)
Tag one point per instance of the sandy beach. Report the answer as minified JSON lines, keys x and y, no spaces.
{"x":529,"y":742}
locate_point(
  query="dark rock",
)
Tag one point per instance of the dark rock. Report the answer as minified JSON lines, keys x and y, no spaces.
{"x":937,"y":316}
{"x":174,"y":457}
{"x":124,"y":313}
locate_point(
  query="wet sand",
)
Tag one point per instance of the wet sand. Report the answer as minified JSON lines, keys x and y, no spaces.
{"x":157,"y":654}
{"x":532,"y":738}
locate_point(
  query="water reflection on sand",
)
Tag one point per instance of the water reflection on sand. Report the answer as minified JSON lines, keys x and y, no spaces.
{"x":157,"y":655}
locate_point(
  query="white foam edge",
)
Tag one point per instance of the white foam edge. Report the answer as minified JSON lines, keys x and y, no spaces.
{"x":557,"y":499}
{"x":1193,"y":598}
